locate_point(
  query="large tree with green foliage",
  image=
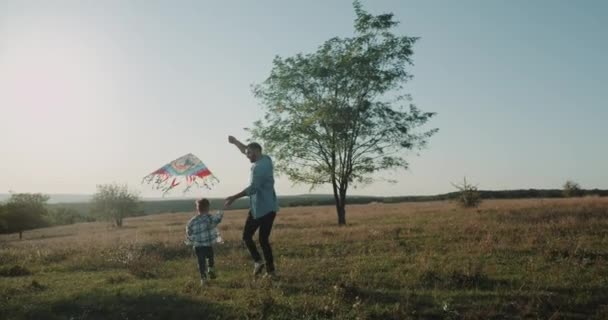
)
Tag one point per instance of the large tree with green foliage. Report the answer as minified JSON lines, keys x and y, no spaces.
{"x":23,"y":211}
{"x":338,"y":115}
{"x":115,"y":202}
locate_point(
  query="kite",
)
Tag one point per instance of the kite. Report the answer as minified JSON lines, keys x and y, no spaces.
{"x":188,"y":169}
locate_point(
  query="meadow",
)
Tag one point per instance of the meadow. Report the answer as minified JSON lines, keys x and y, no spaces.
{"x":507,"y":259}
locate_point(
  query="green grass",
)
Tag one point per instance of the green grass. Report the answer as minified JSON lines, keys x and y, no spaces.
{"x":509,"y":259}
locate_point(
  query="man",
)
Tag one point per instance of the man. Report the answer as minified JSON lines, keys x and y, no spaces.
{"x":263,"y":205}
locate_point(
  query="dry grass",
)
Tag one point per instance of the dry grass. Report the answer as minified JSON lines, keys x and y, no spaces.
{"x":533,"y":258}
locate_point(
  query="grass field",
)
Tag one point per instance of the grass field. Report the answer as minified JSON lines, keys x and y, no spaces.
{"x":508,"y":259}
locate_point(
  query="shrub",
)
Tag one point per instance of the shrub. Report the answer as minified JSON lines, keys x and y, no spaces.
{"x":572,"y":189}
{"x":469,"y":196}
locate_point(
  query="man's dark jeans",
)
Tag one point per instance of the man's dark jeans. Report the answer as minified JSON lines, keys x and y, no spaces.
{"x":264,"y":223}
{"x":203,"y":254}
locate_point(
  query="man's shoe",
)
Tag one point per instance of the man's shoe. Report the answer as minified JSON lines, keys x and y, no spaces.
{"x":257,"y":268}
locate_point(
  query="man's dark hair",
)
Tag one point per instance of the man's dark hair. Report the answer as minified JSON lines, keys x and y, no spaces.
{"x":202,"y":203}
{"x":255,"y":146}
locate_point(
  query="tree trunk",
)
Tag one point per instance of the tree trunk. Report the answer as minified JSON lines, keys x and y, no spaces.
{"x":118,"y":222}
{"x":341,"y":214}
{"x":339,"y":204}
{"x":20,"y":235}
{"x":340,"y":197}
{"x":342,"y":208}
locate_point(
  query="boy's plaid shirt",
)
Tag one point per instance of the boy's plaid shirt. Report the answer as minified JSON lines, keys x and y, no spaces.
{"x":202,"y":229}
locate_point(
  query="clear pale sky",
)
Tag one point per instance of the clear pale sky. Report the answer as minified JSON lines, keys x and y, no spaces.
{"x":96,"y":92}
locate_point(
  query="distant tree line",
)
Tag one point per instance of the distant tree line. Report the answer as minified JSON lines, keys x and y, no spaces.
{"x":185,"y":205}
{"x":26,"y":211}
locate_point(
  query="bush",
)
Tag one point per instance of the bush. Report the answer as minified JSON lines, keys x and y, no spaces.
{"x":572,"y":189}
{"x":145,"y":266}
{"x":469,"y":195}
{"x":64,"y":215}
{"x":142,"y":262}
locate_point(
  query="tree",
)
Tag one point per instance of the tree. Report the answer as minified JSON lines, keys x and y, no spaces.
{"x":63,"y":215}
{"x":23,"y":211}
{"x":469,"y":195}
{"x":3,"y":223}
{"x":115,"y":202}
{"x":337,"y":115}
{"x":572,"y":189}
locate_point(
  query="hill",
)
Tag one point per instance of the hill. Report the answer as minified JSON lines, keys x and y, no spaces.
{"x":508,"y":259}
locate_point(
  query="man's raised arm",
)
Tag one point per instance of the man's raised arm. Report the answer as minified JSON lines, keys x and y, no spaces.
{"x":238,"y":144}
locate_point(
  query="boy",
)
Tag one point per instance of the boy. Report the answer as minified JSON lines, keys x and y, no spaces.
{"x":201,"y":233}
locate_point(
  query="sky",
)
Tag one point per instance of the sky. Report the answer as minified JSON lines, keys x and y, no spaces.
{"x":96,"y":92}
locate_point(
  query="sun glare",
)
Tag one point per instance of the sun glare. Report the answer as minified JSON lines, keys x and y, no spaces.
{"x":47,"y":71}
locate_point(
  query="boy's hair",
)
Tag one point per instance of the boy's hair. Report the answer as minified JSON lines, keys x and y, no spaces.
{"x":202,"y":204}
{"x":255,"y":146}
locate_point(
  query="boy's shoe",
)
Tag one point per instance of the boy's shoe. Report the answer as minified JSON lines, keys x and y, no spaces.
{"x":271,"y":275}
{"x":257,"y":268}
{"x":211,"y":273}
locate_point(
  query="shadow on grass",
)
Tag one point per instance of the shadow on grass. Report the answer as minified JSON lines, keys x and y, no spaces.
{"x":349,"y":292}
{"x":588,"y":301}
{"x":459,"y":280}
{"x":95,"y":305}
{"x":555,"y":303}
{"x":347,"y":301}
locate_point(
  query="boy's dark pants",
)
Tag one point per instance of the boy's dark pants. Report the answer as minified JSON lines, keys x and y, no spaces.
{"x":265,"y":225}
{"x":202,"y":254}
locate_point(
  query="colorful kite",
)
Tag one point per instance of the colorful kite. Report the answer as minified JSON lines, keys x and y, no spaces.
{"x":188,"y":169}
